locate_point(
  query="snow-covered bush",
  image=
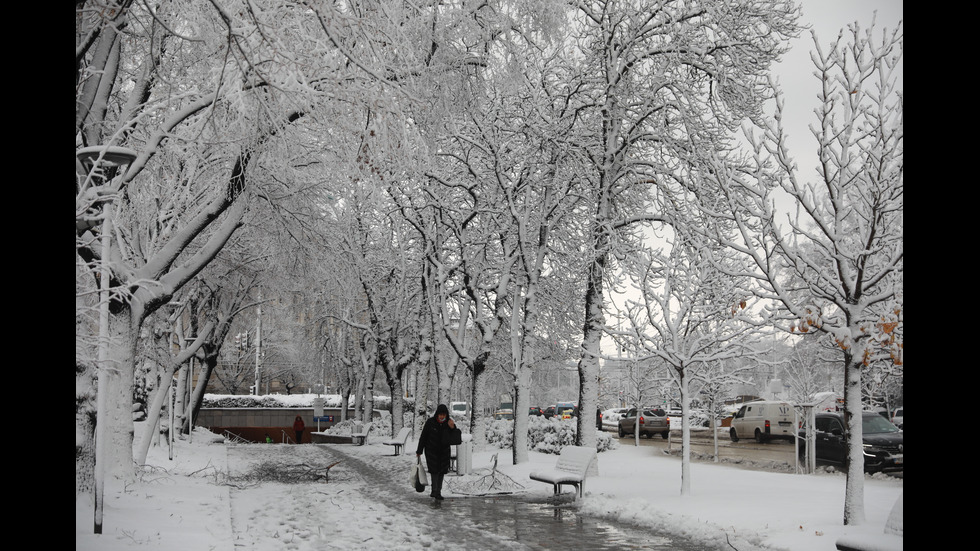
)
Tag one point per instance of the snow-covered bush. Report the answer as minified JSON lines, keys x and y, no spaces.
{"x":544,"y":435}
{"x":379,"y":429}
{"x":500,"y":433}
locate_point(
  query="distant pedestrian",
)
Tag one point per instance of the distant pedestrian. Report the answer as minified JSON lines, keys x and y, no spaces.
{"x":298,"y":426}
{"x":438,"y":434}
{"x":268,"y":439}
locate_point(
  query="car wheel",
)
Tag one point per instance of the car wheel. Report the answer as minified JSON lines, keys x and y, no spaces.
{"x":665,"y":434}
{"x":759,"y":437}
{"x":733,"y":434}
{"x":622,"y":433}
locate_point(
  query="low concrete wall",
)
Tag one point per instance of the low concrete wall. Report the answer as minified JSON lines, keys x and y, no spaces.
{"x":320,"y":438}
{"x":253,"y":424}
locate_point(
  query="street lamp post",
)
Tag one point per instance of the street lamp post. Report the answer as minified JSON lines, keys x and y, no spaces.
{"x":97,"y":159}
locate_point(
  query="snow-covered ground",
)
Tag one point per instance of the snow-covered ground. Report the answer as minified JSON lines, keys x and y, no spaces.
{"x":185,"y":504}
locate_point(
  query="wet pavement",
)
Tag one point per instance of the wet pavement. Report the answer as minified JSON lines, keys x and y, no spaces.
{"x":556,"y":524}
{"x":516,"y":521}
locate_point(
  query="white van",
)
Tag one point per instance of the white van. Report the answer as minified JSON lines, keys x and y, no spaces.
{"x":898,"y":417}
{"x":764,"y":420}
{"x":459,"y":410}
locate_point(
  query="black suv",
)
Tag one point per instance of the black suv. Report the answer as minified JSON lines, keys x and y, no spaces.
{"x":884,"y":446}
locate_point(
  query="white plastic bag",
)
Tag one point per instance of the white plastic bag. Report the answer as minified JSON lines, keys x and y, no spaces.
{"x":418,"y":478}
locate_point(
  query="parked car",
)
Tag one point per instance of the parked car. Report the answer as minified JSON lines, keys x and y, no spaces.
{"x":503,"y":414}
{"x":884,"y":445}
{"x":764,"y":421}
{"x":652,"y":421}
{"x":611,"y":417}
{"x":534,"y":410}
{"x":897,"y":418}
{"x":549,"y":412}
{"x":566,"y":410}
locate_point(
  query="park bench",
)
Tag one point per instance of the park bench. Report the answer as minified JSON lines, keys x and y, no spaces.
{"x":360,"y":434}
{"x":574,"y":464}
{"x":400,"y":440}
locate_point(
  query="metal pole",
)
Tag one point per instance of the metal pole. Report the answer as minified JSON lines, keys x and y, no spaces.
{"x":189,"y":409}
{"x":258,"y":344}
{"x":117,"y":157}
{"x":173,"y":417}
{"x":101,"y":398}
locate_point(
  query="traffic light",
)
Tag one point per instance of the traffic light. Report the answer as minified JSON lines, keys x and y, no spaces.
{"x":245,"y":340}
{"x":238,"y":341}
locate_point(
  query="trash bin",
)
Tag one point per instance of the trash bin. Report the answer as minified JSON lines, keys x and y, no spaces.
{"x":464,"y":455}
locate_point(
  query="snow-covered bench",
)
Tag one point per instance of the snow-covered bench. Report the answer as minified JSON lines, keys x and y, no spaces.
{"x":359,"y":437}
{"x":574,"y":464}
{"x":400,"y":439}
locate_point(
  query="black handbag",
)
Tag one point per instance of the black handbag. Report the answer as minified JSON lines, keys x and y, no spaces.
{"x":455,"y":437}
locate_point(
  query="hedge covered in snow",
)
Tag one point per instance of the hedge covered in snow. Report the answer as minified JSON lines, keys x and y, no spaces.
{"x":544,"y":435}
{"x":282,"y":401}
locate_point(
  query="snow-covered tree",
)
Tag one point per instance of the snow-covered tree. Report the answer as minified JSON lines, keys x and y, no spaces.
{"x":185,"y":114}
{"x":660,"y":81}
{"x":690,"y":315}
{"x":833,"y":260}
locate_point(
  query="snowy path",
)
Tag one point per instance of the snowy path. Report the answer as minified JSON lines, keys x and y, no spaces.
{"x":343,"y":513}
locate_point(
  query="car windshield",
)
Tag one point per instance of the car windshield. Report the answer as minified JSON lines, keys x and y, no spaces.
{"x":876,"y":424}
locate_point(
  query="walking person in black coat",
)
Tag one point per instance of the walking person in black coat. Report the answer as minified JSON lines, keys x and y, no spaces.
{"x":438,"y":434}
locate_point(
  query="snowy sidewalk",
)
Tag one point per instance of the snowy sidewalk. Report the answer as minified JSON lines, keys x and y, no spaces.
{"x":180,"y":505}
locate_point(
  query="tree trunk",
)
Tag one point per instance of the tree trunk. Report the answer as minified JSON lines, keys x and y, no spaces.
{"x":588,"y":366}
{"x":685,"y":433}
{"x":478,"y":400}
{"x":522,"y":404}
{"x":854,"y":487}
{"x":344,"y":401}
{"x":394,"y":380}
{"x":85,"y":428}
{"x":197,"y":399}
{"x":119,"y":383}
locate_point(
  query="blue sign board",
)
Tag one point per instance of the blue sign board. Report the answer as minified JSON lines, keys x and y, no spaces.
{"x":325,"y":419}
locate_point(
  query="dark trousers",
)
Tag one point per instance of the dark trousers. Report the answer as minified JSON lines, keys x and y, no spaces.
{"x":436,"y":484}
{"x":299,"y":437}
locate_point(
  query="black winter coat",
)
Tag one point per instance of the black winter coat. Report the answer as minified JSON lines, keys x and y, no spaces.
{"x":435,"y":440}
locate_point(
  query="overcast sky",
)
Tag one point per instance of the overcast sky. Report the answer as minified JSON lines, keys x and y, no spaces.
{"x":827,"y":18}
